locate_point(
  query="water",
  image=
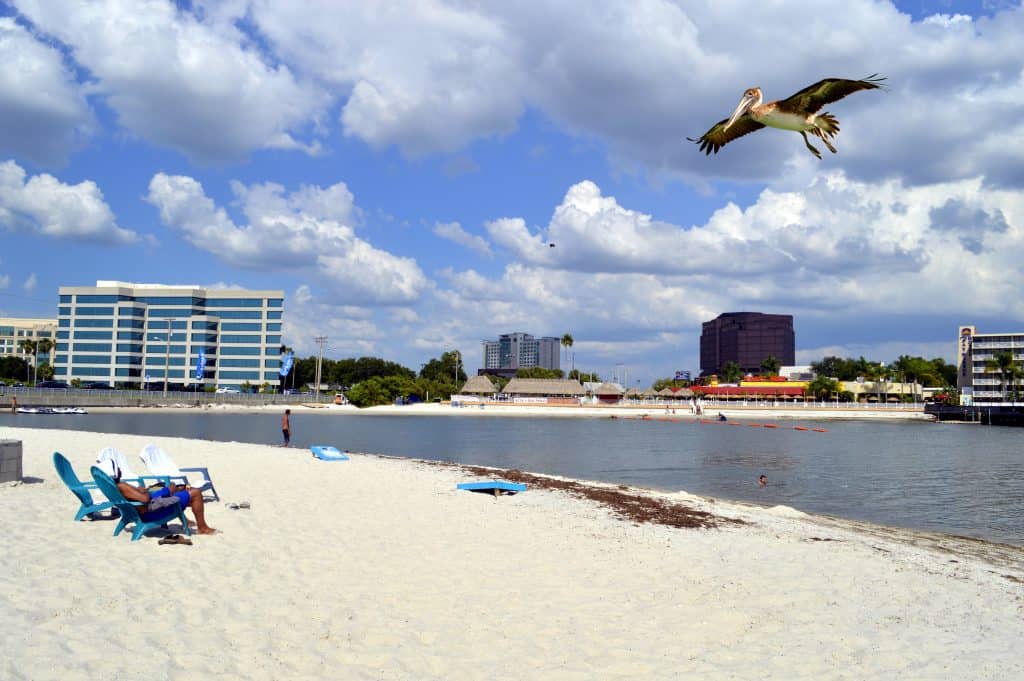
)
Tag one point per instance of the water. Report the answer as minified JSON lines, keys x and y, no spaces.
{"x":955,"y":478}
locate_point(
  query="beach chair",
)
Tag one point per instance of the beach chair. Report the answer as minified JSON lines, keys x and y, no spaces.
{"x":82,"y":490}
{"x":160,"y":463}
{"x":127,"y":474}
{"x":130,"y":511}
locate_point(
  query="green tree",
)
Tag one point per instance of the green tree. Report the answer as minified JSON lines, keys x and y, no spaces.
{"x":823,"y":387}
{"x":731,"y":372}
{"x":770,"y":366}
{"x":445,"y":369}
{"x":1002,"y":363}
{"x":584,"y":377}
{"x":13,"y":367}
{"x":663,"y":383}
{"x":45,"y":371}
{"x":539,"y":372}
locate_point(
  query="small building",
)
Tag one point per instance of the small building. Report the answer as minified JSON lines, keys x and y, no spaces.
{"x":478,"y":385}
{"x":608,"y":393}
{"x":544,"y":390}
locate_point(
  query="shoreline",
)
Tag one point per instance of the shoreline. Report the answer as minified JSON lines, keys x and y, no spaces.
{"x":352,"y":569}
{"x":548,"y":411}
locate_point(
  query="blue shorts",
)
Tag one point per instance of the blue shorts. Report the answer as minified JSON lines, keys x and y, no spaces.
{"x":182,"y":496}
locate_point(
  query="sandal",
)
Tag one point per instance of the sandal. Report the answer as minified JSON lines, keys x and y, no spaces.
{"x":176,"y":539}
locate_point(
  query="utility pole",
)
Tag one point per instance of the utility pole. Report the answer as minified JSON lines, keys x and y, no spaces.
{"x":457,"y":358}
{"x":321,"y":341}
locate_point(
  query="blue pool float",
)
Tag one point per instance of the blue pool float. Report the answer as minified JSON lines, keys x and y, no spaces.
{"x":327,"y":453}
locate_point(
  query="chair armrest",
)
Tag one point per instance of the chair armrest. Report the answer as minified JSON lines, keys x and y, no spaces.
{"x":203,"y":470}
{"x":166,"y":479}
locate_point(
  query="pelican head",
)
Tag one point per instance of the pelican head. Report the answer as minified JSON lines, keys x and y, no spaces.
{"x":751,"y":98}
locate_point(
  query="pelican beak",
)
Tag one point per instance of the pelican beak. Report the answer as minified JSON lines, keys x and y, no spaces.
{"x":741,"y":108}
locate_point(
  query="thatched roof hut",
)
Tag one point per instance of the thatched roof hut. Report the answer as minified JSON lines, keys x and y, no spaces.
{"x":634,"y":393}
{"x":544,"y":387}
{"x":608,"y":389}
{"x":478,"y":385}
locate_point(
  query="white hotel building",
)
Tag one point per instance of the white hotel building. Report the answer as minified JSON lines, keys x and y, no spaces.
{"x":128,"y":334}
{"x":977,"y":383}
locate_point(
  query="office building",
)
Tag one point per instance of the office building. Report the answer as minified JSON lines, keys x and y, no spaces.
{"x":747,"y":338}
{"x":980,"y":383}
{"x":14,"y":331}
{"x":134,"y":334}
{"x":519,"y":350}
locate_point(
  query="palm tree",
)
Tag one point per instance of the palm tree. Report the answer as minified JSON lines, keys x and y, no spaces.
{"x":770,"y":366}
{"x":28,"y":347}
{"x":1002,"y":363}
{"x":822,"y":387}
{"x":567,"y":343}
{"x":731,"y":372}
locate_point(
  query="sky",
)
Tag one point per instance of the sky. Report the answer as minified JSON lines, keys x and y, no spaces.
{"x":400,"y":169}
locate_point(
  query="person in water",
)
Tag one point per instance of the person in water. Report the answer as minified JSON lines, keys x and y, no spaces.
{"x":763,"y":480}
{"x":721,"y":417}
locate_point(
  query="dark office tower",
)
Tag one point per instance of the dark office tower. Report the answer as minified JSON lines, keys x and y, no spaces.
{"x":747,"y":338}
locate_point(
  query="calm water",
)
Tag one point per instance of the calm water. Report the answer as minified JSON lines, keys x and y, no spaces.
{"x":962,"y":479}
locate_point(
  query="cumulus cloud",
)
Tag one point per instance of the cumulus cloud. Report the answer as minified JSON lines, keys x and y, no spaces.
{"x":970,"y":223}
{"x":42,"y":204}
{"x":30,"y":283}
{"x":177,"y":80}
{"x":311,"y":227}
{"x":453,"y":231}
{"x":43,"y":111}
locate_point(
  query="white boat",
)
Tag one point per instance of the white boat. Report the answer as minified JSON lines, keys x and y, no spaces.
{"x":51,"y":410}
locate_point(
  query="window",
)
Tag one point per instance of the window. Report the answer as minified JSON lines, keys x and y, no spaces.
{"x":272,"y":363}
{"x":240,"y":326}
{"x":127,"y":372}
{"x":93,"y":335}
{"x":129,"y":347}
{"x":65,"y":299}
{"x":169,"y":300}
{"x":239,"y":362}
{"x":90,"y":371}
{"x":63,"y":311}
{"x":276,"y":340}
{"x":171,"y":312}
{"x":270,"y":376}
{"x":240,"y":351}
{"x":61,"y":347}
{"x":239,"y":375}
{"x":227,"y":338}
{"x":130,"y":323}
{"x":94,"y":311}
{"x":165,"y":361}
{"x":97,"y":323}
{"x":43,"y":334}
{"x":234,"y":302}
{"x":273,"y":315}
{"x":240,"y":314}
{"x":273,"y":326}
{"x":162,"y":350}
{"x":90,"y":359}
{"x":91,"y":347}
{"x":127,"y":359}
{"x":131,"y":311}
{"x":209,"y":326}
{"x":179,"y":325}
{"x":204,"y":338}
{"x":60,"y":359}
{"x":64,"y":322}
{"x":275,"y":302}
{"x":63,"y":335}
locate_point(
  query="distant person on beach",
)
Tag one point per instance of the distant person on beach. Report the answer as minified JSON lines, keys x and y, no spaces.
{"x":286,"y":427}
{"x":156,"y":499}
{"x":14,"y":404}
{"x":721,"y":417}
{"x":763,"y":480}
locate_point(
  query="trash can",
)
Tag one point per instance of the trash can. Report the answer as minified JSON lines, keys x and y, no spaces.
{"x":10,"y":460}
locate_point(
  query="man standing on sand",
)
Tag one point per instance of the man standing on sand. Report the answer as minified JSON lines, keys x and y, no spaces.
{"x":286,"y":427}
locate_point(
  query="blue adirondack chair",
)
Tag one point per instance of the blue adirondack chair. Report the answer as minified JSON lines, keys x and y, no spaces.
{"x":78,"y":488}
{"x":130,"y":512}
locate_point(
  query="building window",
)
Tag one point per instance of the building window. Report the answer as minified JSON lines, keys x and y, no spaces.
{"x":90,"y":371}
{"x":94,"y":311}
{"x":239,"y":314}
{"x":95,"y":323}
{"x":275,"y":302}
{"x":228,"y":338}
{"x":209,"y":326}
{"x":276,"y":340}
{"x":129,"y":335}
{"x":239,"y":375}
{"x":129,"y":347}
{"x":63,"y":311}
{"x":91,"y":347}
{"x":90,"y":359}
{"x":234,"y":302}
{"x":240,"y":351}
{"x":239,"y":363}
{"x":241,"y":326}
{"x":93,"y":335}
{"x":273,"y":326}
{"x":170,"y":312}
{"x":65,"y":299}
{"x":132,"y":311}
{"x":271,"y":314}
{"x":204,"y":338}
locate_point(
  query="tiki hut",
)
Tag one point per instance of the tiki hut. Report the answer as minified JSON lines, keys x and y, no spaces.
{"x":543,"y":387}
{"x":478,"y":385}
{"x":608,"y":393}
{"x":633,"y":394}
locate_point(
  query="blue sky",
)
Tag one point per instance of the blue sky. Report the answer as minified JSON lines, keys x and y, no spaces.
{"x":399,"y":169}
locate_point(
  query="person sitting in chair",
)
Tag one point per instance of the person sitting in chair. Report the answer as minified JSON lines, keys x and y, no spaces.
{"x":162,"y":496}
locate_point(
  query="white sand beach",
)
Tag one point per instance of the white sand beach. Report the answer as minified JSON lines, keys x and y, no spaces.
{"x":378,"y":568}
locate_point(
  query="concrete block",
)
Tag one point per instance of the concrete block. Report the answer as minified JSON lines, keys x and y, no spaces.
{"x":10,"y":460}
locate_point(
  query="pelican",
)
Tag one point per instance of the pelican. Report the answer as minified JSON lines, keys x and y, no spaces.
{"x":799,"y":113}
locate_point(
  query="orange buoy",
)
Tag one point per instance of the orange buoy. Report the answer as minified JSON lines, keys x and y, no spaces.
{"x":770,"y":425}
{"x":819,"y":430}
{"x":754,"y":425}
{"x":734,"y":424}
{"x":799,"y":428}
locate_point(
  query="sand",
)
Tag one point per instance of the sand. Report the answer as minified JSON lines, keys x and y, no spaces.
{"x":377,"y":568}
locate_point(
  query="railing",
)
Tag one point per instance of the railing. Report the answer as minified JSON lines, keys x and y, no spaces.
{"x":77,"y":397}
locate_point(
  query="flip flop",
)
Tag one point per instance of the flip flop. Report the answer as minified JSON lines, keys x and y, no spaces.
{"x":176,"y":539}
{"x":239,"y":505}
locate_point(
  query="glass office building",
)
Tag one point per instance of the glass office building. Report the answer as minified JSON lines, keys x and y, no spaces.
{"x":133,"y":334}
{"x":747,"y":338}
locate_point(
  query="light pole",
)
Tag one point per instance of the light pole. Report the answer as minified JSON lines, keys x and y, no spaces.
{"x":35,"y":363}
{"x":458,"y":357}
{"x":321,"y":340}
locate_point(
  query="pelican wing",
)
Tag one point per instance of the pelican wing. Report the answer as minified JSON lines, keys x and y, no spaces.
{"x":717,"y":137}
{"x":826,"y":91}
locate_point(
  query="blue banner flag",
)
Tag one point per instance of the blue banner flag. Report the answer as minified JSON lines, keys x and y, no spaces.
{"x":286,"y":363}
{"x":200,"y":365}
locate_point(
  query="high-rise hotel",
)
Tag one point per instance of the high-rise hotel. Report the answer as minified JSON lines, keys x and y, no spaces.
{"x":130,"y":334}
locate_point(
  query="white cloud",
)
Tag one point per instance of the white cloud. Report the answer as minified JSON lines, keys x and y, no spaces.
{"x":30,"y":283}
{"x":307,"y":229}
{"x":43,"y":112}
{"x":453,"y":231}
{"x":44,"y":205}
{"x":201,"y":87}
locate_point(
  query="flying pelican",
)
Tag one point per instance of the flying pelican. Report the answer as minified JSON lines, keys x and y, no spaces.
{"x":799,"y":113}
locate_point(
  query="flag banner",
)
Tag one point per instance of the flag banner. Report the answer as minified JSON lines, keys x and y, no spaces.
{"x":200,"y":365}
{"x":286,"y":364}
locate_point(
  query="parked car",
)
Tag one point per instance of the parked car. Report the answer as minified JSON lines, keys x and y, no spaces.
{"x":228,"y":390}
{"x":53,"y":385}
{"x":98,"y":385}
